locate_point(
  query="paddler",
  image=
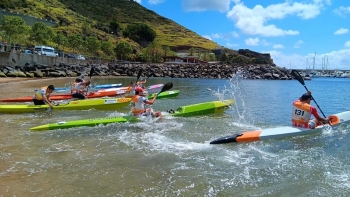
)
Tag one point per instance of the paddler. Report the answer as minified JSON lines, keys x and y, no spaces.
{"x":78,"y":88}
{"x":130,"y":91}
{"x":141,"y":82}
{"x":42,"y":96}
{"x":302,"y":110}
{"x":138,"y":102}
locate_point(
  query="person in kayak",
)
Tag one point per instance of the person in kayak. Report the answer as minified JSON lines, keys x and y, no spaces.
{"x":302,"y":111}
{"x":138,"y":102}
{"x":141,"y":82}
{"x":130,"y":91}
{"x":42,"y":96}
{"x":77,"y":89}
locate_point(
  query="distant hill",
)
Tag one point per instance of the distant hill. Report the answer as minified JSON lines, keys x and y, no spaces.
{"x":72,"y":15}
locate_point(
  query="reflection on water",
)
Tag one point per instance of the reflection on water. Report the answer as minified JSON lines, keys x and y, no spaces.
{"x":172,"y":156}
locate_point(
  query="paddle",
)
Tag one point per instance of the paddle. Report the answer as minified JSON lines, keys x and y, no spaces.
{"x":166,"y":87}
{"x":92,"y":70}
{"x":150,"y":75}
{"x":138,"y":75}
{"x":298,"y":77}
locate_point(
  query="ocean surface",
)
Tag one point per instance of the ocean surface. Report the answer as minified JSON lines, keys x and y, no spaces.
{"x":172,"y":156}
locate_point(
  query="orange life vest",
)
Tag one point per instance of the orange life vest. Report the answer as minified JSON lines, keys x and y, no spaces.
{"x":301,"y":114}
{"x":137,"y":108}
{"x":38,"y":94}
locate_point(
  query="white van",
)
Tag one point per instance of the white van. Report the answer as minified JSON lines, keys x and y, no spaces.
{"x":44,"y":50}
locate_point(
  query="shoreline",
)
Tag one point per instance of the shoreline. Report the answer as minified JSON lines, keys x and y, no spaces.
{"x":4,"y":80}
{"x":15,"y":79}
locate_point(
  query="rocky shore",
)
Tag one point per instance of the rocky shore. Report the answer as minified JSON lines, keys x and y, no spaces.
{"x":259,"y":71}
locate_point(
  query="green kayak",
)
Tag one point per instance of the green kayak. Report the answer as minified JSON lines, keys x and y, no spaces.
{"x":184,"y":111}
{"x":166,"y":94}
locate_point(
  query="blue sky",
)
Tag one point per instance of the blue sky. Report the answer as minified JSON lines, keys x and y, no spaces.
{"x":291,"y":31}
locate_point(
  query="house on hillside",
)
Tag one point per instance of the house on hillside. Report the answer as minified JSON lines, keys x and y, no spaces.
{"x":183,"y":60}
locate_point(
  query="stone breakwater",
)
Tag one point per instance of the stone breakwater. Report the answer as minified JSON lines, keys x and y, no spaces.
{"x":217,"y":71}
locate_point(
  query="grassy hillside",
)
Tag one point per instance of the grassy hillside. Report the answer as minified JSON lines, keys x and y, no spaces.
{"x":72,"y":15}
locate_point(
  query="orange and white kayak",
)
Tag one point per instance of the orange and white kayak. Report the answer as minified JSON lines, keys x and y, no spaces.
{"x":279,"y":132}
{"x":65,"y":96}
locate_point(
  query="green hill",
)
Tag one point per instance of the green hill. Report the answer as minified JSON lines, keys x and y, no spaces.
{"x":74,"y":15}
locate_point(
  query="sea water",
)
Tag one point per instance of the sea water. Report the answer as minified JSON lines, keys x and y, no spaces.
{"x":172,"y":156}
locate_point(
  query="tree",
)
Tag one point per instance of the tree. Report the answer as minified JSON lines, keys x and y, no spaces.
{"x":41,"y":33}
{"x":143,"y":56}
{"x":155,"y":50}
{"x":60,"y":40}
{"x":114,"y":27}
{"x":14,"y":26}
{"x":140,"y":33}
{"x":92,"y":44}
{"x":212,"y":57}
{"x":86,"y":27}
{"x":123,"y":49}
{"x":74,"y":41}
{"x":107,"y":48}
{"x":192,"y":51}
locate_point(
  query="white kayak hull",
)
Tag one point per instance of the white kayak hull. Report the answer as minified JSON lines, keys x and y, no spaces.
{"x":279,"y":132}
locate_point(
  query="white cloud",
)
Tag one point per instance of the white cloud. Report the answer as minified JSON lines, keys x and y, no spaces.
{"x":341,"y":31}
{"x":342,"y":11}
{"x":230,"y":45}
{"x":207,"y":37}
{"x":217,"y":36}
{"x":225,"y":36}
{"x":154,"y":2}
{"x":278,"y":46}
{"x":235,"y":34}
{"x":264,"y":42}
{"x":203,"y":5}
{"x":138,"y":1}
{"x":337,"y":59}
{"x":298,"y":44}
{"x":347,"y":44}
{"x":254,"y":21}
{"x":252,"y":41}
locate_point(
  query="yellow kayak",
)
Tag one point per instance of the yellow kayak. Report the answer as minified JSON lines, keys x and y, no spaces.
{"x":99,"y":104}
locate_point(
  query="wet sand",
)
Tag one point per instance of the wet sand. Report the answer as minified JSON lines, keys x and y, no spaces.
{"x":16,"y":79}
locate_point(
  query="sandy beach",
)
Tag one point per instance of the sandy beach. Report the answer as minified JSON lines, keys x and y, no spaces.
{"x":16,"y":79}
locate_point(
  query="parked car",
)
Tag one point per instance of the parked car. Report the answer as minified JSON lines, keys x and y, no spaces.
{"x":69,"y":55}
{"x":27,"y":52}
{"x":80,"y":57}
{"x":45,"y":50}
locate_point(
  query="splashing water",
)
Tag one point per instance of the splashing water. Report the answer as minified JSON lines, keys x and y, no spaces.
{"x":241,"y":114}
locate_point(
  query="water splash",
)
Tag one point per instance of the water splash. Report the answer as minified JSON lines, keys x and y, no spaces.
{"x":234,"y":90}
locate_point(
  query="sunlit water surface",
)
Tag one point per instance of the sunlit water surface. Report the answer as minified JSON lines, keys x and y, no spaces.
{"x":172,"y":156}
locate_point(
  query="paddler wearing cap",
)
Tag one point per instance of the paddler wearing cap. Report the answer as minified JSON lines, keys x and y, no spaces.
{"x":138,"y":104}
{"x":42,"y":96}
{"x":302,"y":111}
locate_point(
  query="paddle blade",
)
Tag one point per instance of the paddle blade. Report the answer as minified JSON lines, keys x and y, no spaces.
{"x":150,"y":75}
{"x":298,"y":77}
{"x":166,"y":87}
{"x":139,"y":75}
{"x":92,"y":70}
